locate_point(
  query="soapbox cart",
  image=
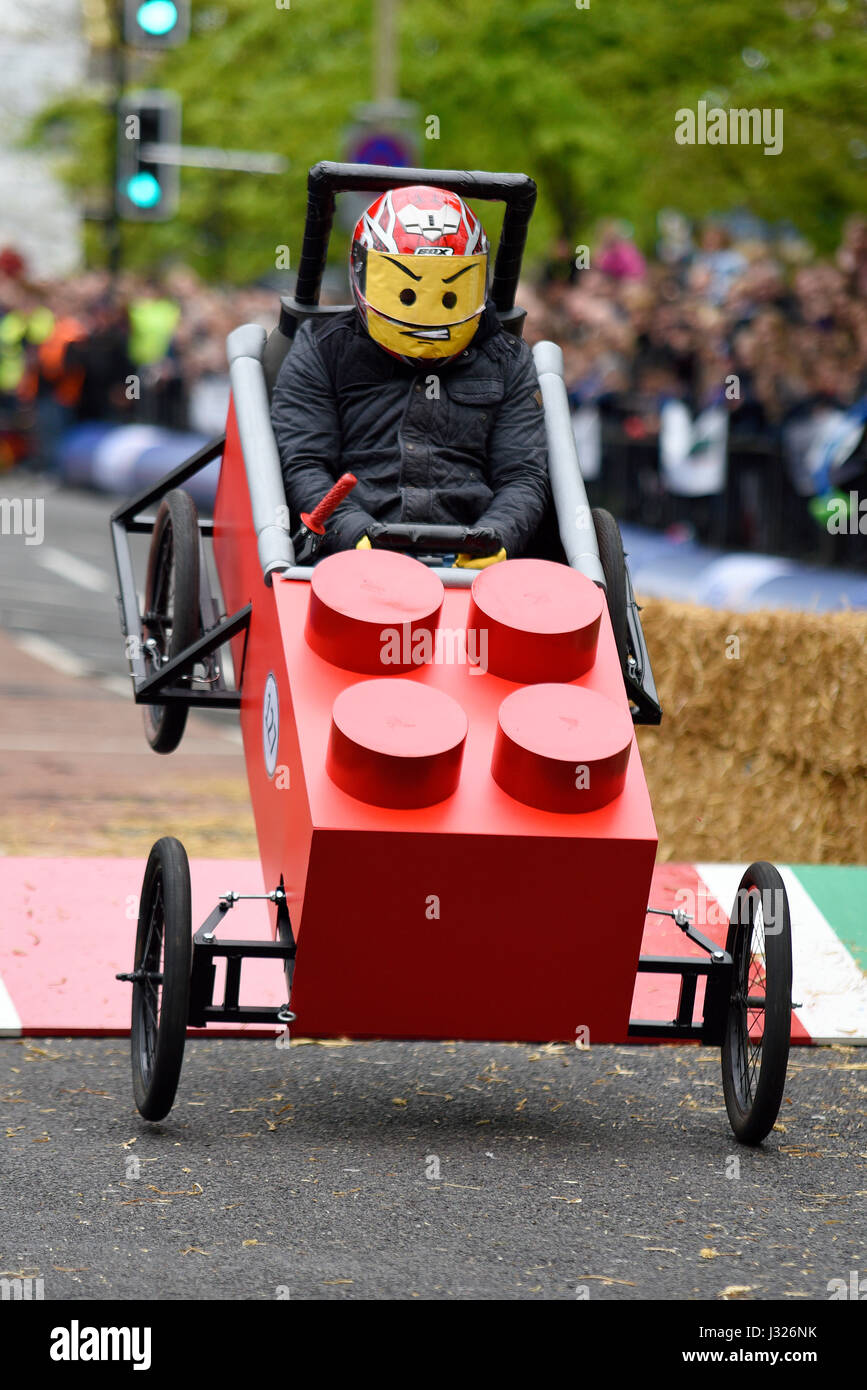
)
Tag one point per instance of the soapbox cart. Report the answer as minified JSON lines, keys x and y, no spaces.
{"x":454,"y":826}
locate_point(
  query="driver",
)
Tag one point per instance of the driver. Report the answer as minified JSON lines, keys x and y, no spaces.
{"x":418,"y":391}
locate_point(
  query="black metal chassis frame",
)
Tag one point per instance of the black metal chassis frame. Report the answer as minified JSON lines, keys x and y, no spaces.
{"x":718,"y":968}
{"x":640,"y":685}
{"x":716,"y":965}
{"x":206,"y":950}
{"x":165,"y":686}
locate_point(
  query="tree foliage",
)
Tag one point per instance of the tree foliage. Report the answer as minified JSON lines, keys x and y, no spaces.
{"x":582,"y":99}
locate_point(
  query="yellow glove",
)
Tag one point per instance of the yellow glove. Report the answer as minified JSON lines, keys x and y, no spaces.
{"x":478,"y":562}
{"x":363,"y":544}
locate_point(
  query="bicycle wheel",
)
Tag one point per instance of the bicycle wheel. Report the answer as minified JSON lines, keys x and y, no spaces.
{"x":161,"y":979}
{"x":755,"y":1051}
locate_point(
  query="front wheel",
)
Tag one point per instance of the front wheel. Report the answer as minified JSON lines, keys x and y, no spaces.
{"x":755,"y":1051}
{"x":161,"y":979}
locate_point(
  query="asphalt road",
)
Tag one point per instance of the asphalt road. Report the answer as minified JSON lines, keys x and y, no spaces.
{"x":387,"y":1170}
{"x":76,"y":774}
{"x":436,"y":1171}
{"x":58,"y":584}
{"x":61,"y":592}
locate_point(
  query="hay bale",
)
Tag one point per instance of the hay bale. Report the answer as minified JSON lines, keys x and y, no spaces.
{"x":762,"y":753}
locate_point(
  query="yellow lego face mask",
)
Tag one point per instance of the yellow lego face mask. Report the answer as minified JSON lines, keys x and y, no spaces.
{"x":424,"y":305}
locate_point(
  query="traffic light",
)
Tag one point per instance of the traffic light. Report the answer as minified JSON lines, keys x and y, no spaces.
{"x":156,"y":23}
{"x":148,"y":124}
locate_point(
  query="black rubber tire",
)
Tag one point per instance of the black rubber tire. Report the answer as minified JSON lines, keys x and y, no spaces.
{"x":614,"y":568}
{"x":161,"y":998}
{"x":171,"y":616}
{"x":755,"y":1051}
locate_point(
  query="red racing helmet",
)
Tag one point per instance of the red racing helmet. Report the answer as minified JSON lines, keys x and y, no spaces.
{"x":419,"y":272}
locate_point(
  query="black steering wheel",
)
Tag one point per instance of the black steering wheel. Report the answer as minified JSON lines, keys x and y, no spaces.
{"x":432,"y":543}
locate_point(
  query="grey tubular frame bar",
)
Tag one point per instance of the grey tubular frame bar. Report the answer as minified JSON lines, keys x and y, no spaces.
{"x":577,"y":531}
{"x":574,"y":520}
{"x":244,"y":349}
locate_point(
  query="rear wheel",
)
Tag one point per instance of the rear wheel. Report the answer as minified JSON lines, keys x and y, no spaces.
{"x":755,"y":1050}
{"x":171,"y":617}
{"x":161,"y":979}
{"x":614,"y":568}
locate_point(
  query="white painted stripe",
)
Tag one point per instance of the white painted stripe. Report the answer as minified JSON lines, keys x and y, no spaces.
{"x":116,"y":685}
{"x":826,"y":980}
{"x":52,"y":654}
{"x":71,"y":567}
{"x":40,"y":594}
{"x":10,"y":1023}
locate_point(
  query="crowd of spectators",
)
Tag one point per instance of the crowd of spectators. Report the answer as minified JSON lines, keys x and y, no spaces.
{"x":759,"y":328}
{"x":754,"y":325}
{"x":130,"y":350}
{"x":792,"y":329}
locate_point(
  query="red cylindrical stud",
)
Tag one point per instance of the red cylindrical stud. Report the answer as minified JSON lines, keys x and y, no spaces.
{"x":561,"y":748}
{"x":535,"y":621}
{"x":373,"y":611}
{"x":396,"y":743}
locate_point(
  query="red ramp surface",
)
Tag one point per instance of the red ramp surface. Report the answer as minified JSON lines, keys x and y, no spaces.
{"x":68,"y":927}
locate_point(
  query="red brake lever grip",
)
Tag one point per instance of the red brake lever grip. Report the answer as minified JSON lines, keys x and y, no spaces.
{"x":316,"y":519}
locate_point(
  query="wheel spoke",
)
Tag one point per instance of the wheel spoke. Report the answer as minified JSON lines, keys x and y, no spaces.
{"x":149,"y":986}
{"x":161,"y":606}
{"x":749,"y":1002}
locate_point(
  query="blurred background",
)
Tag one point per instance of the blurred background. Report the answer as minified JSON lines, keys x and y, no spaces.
{"x":711,"y":304}
{"x":711,"y":300}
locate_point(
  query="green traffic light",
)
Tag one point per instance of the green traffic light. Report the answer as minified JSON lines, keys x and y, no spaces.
{"x":143,"y":190}
{"x":157,"y":17}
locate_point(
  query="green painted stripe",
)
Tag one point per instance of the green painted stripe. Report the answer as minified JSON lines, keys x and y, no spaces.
{"x":840,"y":893}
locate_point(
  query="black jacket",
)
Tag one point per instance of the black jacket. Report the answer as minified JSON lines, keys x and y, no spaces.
{"x":460,"y":444}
